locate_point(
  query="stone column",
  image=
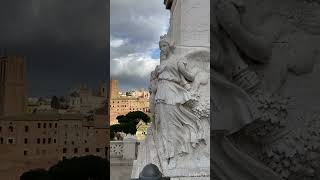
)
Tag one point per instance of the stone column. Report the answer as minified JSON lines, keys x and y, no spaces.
{"x":189,"y":24}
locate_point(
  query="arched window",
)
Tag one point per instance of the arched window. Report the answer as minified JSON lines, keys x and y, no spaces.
{"x":10,"y":128}
{"x":26,"y":129}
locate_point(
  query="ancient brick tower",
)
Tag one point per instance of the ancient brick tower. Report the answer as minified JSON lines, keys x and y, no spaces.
{"x":114,"y":89}
{"x":13,"y":85}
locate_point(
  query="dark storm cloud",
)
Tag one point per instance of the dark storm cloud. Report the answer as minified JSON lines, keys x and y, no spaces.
{"x":65,"y":42}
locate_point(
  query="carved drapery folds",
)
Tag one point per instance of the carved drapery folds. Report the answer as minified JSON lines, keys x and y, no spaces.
{"x":178,"y":139}
{"x":252,"y":59}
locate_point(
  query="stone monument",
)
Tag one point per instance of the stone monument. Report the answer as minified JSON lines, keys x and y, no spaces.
{"x":178,"y":140}
{"x":265,"y":98}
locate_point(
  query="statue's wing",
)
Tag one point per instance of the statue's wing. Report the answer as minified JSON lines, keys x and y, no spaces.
{"x":199,"y":59}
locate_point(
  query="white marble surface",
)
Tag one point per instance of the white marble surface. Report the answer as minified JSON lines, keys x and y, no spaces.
{"x":129,"y":147}
{"x":190,"y":23}
{"x":188,"y":44}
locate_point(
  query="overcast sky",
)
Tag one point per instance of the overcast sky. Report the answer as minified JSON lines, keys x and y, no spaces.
{"x":65,"y":41}
{"x":135,"y":28}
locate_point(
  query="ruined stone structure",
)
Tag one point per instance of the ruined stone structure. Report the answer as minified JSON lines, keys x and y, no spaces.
{"x":121,"y":105}
{"x":13,"y":85}
{"x":114,"y":88}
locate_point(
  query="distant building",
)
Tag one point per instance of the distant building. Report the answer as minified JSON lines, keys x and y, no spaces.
{"x":121,"y":105}
{"x":13,"y":85}
{"x":140,"y":93}
{"x":83,"y":100}
{"x":39,"y":105}
{"x":40,"y":140}
{"x":34,"y":135}
{"x":142,"y":129}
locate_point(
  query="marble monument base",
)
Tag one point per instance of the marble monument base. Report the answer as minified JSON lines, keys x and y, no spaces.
{"x":193,"y":166}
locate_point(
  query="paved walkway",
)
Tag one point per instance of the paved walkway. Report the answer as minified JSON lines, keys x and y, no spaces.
{"x":120,"y":169}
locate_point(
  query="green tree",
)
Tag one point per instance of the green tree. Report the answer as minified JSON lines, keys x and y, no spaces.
{"x":78,"y":168}
{"x":114,"y":129}
{"x":120,"y":117}
{"x":36,"y":174}
{"x":129,"y":128}
{"x":81,"y":168}
{"x":137,"y":116}
{"x":55,"y":104}
{"x":128,"y":123}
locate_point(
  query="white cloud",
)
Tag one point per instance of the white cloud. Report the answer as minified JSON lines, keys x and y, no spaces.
{"x":133,"y":70}
{"x":133,"y":65}
{"x":115,"y":43}
{"x":135,"y":27}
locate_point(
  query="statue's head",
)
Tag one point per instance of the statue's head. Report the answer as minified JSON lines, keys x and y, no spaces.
{"x":165,"y":47}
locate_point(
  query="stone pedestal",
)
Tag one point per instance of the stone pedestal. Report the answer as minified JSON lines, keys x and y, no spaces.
{"x":189,"y":24}
{"x":129,"y":148}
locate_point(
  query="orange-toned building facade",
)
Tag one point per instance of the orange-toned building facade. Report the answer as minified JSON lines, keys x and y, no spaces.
{"x":121,"y":105}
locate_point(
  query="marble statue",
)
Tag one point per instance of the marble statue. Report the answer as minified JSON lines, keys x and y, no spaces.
{"x":180,"y":131}
{"x":152,"y":90}
{"x":178,"y":139}
{"x":258,"y":130}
